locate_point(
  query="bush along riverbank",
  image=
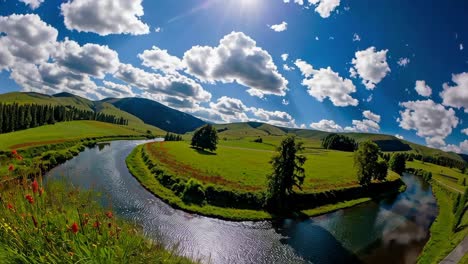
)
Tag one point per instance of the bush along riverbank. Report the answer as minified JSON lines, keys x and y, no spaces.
{"x":58,"y":223}
{"x":215,"y":201}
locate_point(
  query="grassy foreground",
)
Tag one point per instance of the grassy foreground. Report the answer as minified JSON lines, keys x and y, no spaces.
{"x":246,"y":187}
{"x":58,"y":223}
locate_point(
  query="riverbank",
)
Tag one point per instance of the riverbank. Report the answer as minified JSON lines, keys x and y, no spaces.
{"x":443,"y":239}
{"x":165,"y":186}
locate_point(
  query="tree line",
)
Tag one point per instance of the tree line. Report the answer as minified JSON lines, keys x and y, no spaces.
{"x":172,"y":137}
{"x":339,"y":142}
{"x":14,"y":117}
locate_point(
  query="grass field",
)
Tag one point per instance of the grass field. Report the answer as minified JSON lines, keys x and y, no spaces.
{"x":451,"y":178}
{"x":443,"y":240}
{"x":244,"y":165}
{"x":64,"y":131}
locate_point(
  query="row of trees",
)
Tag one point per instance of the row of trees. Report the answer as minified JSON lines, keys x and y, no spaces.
{"x":14,"y":117}
{"x":172,"y":137}
{"x":339,"y":142}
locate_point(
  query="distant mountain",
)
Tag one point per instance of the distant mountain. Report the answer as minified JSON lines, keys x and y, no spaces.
{"x":157,"y":114}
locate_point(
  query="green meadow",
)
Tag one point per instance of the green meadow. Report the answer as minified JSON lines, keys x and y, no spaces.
{"x":244,"y":165}
{"x":66,"y":131}
{"x":450,"y":178}
{"x":234,"y":178}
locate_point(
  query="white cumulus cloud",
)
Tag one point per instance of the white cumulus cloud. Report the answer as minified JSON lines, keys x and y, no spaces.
{"x":430,"y":120}
{"x":423,"y":89}
{"x":326,"y":125}
{"x":237,"y":59}
{"x":33,"y":4}
{"x":371,"y":66}
{"x":369,"y":115}
{"x":159,"y":59}
{"x":283,"y":26}
{"x":325,"y":83}
{"x":457,"y":95}
{"x":105,"y":17}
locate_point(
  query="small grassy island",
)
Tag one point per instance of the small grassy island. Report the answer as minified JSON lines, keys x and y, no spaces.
{"x":231,"y":183}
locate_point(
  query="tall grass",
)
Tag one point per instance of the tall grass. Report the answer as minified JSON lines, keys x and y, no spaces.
{"x":59,"y":223}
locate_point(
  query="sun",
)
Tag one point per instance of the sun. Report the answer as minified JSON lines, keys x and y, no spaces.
{"x":249,"y":4}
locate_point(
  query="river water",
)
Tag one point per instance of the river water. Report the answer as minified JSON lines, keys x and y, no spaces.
{"x":391,"y":230}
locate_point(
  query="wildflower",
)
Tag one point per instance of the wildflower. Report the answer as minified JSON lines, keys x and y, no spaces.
{"x":29,"y":198}
{"x":14,"y":152}
{"x":109,"y":215}
{"x":74,"y":228}
{"x":10,"y":207}
{"x":96,"y":224}
{"x":41,"y":191}
{"x":19,"y":157}
{"x":35,"y":186}
{"x":11,"y":167}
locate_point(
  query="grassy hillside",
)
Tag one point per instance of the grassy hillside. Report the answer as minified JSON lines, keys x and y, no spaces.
{"x":450,"y":178}
{"x":64,"y":131}
{"x":251,"y":130}
{"x":158,"y":115}
{"x":67,"y":99}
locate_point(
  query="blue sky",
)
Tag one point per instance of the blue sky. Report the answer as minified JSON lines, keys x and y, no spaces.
{"x":222,"y":60}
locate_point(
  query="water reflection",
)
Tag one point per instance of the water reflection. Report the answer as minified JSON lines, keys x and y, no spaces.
{"x":392,"y":230}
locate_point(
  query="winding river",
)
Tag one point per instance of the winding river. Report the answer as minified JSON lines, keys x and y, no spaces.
{"x":391,"y":230}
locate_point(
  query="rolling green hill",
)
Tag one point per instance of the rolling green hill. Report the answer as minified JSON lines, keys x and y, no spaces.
{"x":144,"y":114}
{"x":386,"y":142}
{"x":63,"y":131}
{"x":157,"y":114}
{"x":67,"y":99}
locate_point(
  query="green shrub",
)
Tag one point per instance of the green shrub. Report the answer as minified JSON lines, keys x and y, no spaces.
{"x":193,"y":192}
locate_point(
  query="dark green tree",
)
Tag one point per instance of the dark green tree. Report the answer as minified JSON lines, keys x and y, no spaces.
{"x":287,"y":173}
{"x":398,"y":163}
{"x":339,"y":142}
{"x":366,"y":162}
{"x":205,"y":138}
{"x":381,"y":170}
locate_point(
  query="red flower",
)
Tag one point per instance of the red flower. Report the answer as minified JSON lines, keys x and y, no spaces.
{"x":109,"y":215}
{"x":19,"y":157}
{"x":11,"y":167}
{"x":74,"y":228}
{"x":10,"y":206}
{"x":41,"y":191}
{"x":35,"y":186}
{"x":96,"y":224}
{"x":30,"y":199}
{"x":14,"y":152}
